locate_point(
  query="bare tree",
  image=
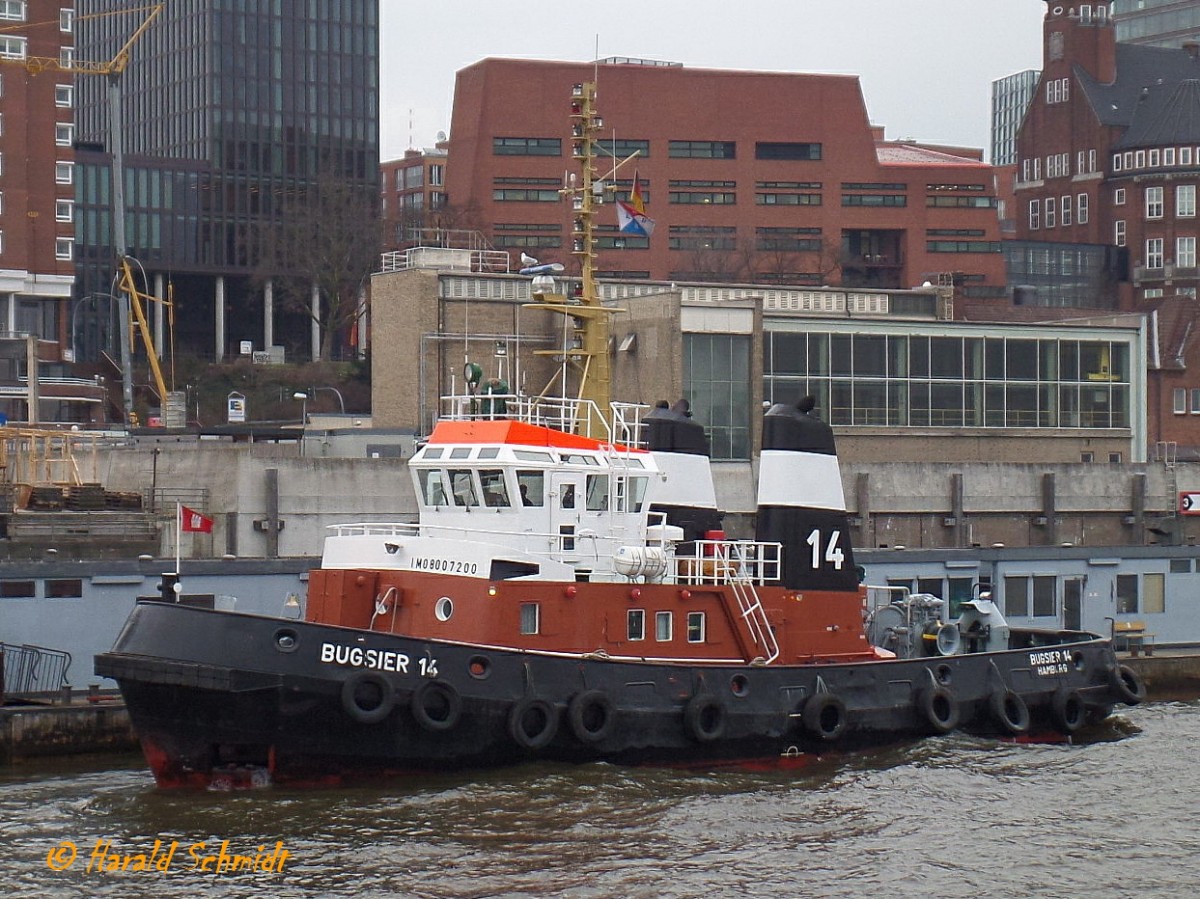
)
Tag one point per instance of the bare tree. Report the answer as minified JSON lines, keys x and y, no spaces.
{"x":325,"y":235}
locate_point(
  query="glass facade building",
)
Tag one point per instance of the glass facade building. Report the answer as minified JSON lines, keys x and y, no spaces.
{"x":1160,"y":23}
{"x":229,"y":109}
{"x":1010,"y":99}
{"x":910,"y":378}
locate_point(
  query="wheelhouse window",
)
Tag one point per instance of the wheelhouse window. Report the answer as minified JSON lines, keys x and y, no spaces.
{"x":433,"y":487}
{"x":597,"y":492}
{"x":635,"y":624}
{"x":696,"y":627}
{"x":531,"y":618}
{"x":495,"y":493}
{"x":532,"y":487}
{"x":463,"y":487}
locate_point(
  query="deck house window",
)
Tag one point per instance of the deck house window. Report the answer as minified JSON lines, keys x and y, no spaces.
{"x":18,"y":589}
{"x":663,"y":626}
{"x":635,"y":624}
{"x":1016,"y":597}
{"x":531,"y":618}
{"x":696,"y":630}
{"x":1154,"y":591}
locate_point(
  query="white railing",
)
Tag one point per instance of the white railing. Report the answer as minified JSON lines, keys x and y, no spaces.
{"x":724,"y":561}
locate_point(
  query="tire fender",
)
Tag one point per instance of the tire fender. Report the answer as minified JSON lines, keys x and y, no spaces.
{"x":352,"y":703}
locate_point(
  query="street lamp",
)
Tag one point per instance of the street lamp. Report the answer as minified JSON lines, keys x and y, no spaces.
{"x":92,"y":297}
{"x":303,"y":397}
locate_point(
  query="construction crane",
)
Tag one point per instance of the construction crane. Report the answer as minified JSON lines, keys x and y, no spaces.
{"x":129,"y":299}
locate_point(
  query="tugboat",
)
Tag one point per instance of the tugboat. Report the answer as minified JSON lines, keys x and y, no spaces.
{"x":569,"y":593}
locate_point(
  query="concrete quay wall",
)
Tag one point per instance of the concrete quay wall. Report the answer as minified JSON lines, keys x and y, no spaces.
{"x":268,"y":501}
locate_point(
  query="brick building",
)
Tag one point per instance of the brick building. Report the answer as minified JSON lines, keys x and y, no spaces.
{"x":37,"y":215}
{"x":412,"y":194}
{"x":1109,"y":155}
{"x":758,"y":177}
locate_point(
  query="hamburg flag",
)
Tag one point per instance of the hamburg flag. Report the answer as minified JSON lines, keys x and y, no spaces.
{"x":192,"y":521}
{"x":631,"y":216}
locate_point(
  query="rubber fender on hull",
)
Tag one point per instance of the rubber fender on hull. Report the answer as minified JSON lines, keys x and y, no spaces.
{"x":1126,"y":684}
{"x":1068,"y":710}
{"x":824,"y":716}
{"x":939,"y":708}
{"x":368,"y":697}
{"x":704,"y":718}
{"x":1010,"y":711}
{"x":436,"y":705}
{"x":532,"y":723}
{"x":591,"y":715}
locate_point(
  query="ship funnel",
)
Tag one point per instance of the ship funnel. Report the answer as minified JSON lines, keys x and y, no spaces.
{"x":800,"y":500}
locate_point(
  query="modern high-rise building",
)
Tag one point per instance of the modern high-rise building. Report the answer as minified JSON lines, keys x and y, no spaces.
{"x":759,"y":177}
{"x":1010,"y":99}
{"x":230,"y":111}
{"x":1162,"y":23}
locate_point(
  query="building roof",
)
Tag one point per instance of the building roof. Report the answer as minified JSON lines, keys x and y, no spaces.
{"x":1176,"y":336}
{"x":915,"y":154}
{"x":1165,"y":114}
{"x":1131,"y":99}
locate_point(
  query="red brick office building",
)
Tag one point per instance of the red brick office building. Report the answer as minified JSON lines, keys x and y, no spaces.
{"x":755,"y":177}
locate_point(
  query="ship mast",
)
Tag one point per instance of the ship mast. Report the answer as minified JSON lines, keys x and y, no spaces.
{"x":588,"y":348}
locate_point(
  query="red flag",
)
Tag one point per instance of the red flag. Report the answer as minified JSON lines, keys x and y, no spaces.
{"x":192,"y":521}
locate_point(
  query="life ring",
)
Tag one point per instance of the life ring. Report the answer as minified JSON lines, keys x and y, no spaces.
{"x":532,"y":723}
{"x":436,"y":705}
{"x":824,"y":716}
{"x":1126,"y":684}
{"x":591,"y":715}
{"x":1010,"y":710}
{"x":939,"y":708}
{"x":371,"y":705}
{"x":1068,"y":710}
{"x":704,"y":717}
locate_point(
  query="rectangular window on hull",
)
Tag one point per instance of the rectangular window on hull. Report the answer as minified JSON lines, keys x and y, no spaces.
{"x":635,"y":624}
{"x":530,"y":618}
{"x":663,"y":626}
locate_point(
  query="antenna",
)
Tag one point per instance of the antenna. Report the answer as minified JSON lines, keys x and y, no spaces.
{"x":411,"y":145}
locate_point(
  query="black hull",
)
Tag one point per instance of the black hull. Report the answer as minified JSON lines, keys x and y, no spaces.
{"x":227,"y":699}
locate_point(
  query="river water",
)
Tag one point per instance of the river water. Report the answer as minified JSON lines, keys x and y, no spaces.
{"x":953,"y":816}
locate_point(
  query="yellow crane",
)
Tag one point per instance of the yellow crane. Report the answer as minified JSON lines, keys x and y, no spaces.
{"x":129,"y":296}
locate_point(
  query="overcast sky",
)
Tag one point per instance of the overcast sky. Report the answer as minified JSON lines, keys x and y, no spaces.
{"x":926,"y":66}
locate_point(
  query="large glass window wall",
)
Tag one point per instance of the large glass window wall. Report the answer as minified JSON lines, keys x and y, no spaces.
{"x":932,"y":381}
{"x":716,"y":377}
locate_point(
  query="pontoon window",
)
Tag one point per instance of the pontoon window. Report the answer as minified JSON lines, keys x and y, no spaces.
{"x":597,"y":492}
{"x":489,"y":452}
{"x":495,"y":494}
{"x":432,"y":452}
{"x":532,"y":456}
{"x":433,"y":487}
{"x":463,"y":487}
{"x":532,"y":485}
{"x":567,"y":496}
{"x":461,"y":452}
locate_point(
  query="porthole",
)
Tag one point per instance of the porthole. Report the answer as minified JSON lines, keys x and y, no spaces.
{"x":479,"y":667}
{"x":286,"y":640}
{"x":444,"y":608}
{"x":944,"y":675}
{"x":739,"y":685}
